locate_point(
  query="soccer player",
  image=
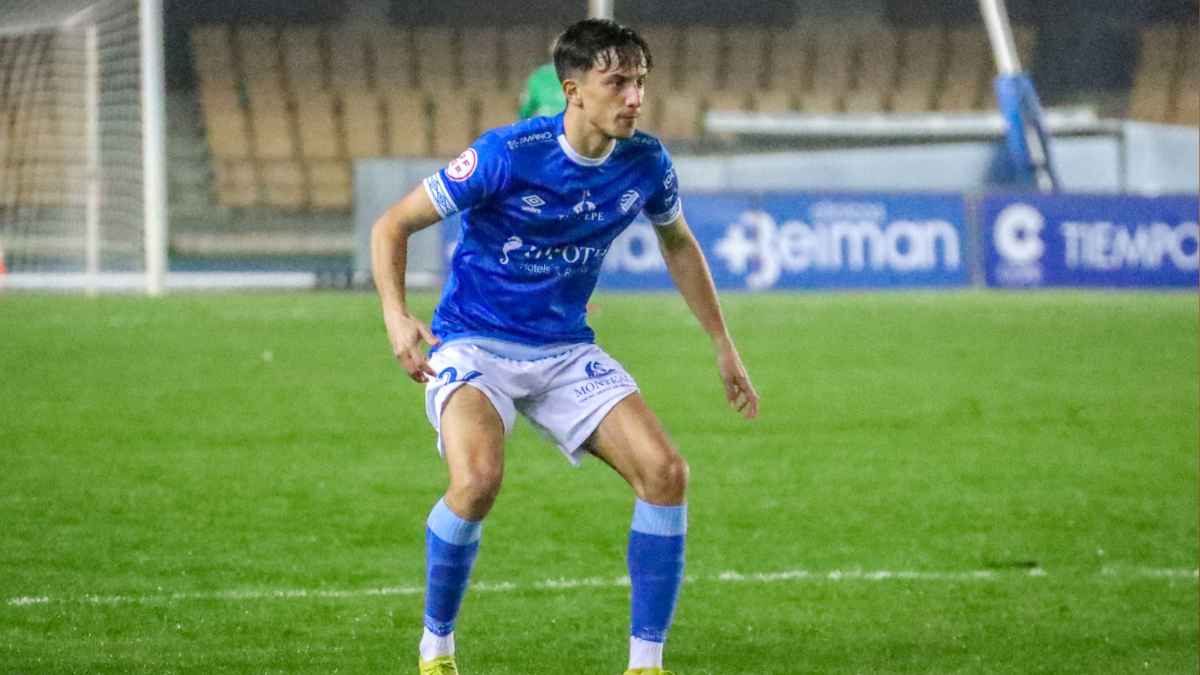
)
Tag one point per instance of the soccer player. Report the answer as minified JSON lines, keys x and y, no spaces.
{"x":541,"y":201}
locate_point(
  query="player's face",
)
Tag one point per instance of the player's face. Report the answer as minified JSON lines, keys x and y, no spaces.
{"x":612,"y":98}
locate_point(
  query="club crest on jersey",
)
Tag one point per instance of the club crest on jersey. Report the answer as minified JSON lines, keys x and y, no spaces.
{"x":461,"y":167}
{"x":629,"y":200}
{"x":585,"y":204}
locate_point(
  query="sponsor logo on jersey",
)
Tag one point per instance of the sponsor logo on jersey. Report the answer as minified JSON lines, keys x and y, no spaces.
{"x":513,"y":244}
{"x":669,"y":179}
{"x":530,"y":138}
{"x":604,"y":379}
{"x":565,"y":260}
{"x":463,"y":166}
{"x":532,"y":204}
{"x":629,"y":200}
{"x":596,"y":369}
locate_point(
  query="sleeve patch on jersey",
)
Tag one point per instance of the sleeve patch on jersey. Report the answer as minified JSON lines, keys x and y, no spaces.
{"x":440,"y":196}
{"x":461,"y":167}
{"x":669,"y":216}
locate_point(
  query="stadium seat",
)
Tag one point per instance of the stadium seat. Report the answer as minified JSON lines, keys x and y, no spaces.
{"x":496,"y":109}
{"x":745,"y":58}
{"x":453,"y":123}
{"x":330,"y":185}
{"x":1154,"y":77}
{"x":480,"y":47}
{"x":876,"y":74}
{"x":317,"y":130}
{"x":700,"y":60}
{"x":363,"y":121}
{"x":272,"y":132}
{"x":235,"y":183}
{"x":394,"y":62}
{"x":1187,"y":100}
{"x":774,"y":101}
{"x":788,"y":65}
{"x":679,"y":116}
{"x":831,"y":71}
{"x":922,"y":55}
{"x":821,"y":102}
{"x":437,"y":58}
{"x":1150,"y":101}
{"x":524,"y":48}
{"x":284,"y":185}
{"x":967,"y":72}
{"x":1026,"y":38}
{"x":664,"y":41}
{"x":1187,"y":108}
{"x":408,"y":124}
{"x":303,"y":60}
{"x":258,"y":52}
{"x":726,"y":100}
{"x":348,"y":59}
{"x":225,"y":122}
{"x":212,"y":52}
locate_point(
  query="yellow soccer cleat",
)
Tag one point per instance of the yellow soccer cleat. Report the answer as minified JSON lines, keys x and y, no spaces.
{"x":648,"y":671}
{"x":442,"y":665}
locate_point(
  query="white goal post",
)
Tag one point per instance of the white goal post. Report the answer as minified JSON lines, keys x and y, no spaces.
{"x":83,"y":200}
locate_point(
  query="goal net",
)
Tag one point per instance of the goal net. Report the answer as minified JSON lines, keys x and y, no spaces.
{"x":81,"y":199}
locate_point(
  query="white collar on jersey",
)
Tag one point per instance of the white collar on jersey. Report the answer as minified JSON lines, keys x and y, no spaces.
{"x":581,"y":159}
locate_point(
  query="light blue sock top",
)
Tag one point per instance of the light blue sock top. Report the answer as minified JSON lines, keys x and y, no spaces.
{"x":452,"y":529}
{"x":664,"y":521}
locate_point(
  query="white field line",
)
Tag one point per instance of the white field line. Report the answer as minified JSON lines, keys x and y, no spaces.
{"x":591,"y":582}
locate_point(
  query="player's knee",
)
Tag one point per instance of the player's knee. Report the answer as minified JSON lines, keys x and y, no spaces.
{"x":476,"y":488}
{"x":667,"y":480}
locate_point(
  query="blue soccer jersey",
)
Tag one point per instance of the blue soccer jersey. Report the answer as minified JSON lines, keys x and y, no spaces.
{"x":537,"y":221}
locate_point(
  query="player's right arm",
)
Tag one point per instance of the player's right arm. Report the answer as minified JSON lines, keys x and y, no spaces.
{"x":389,"y":260}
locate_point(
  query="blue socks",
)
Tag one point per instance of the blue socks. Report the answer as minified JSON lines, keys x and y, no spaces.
{"x":656,"y":547}
{"x":655,"y":567}
{"x":450,"y":547}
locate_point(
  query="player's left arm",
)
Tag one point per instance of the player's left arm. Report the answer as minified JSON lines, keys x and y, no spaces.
{"x":689,"y":270}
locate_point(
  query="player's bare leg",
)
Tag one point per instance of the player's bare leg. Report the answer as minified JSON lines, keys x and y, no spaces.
{"x":473,"y":442}
{"x":473,"y":439}
{"x":631,"y":441}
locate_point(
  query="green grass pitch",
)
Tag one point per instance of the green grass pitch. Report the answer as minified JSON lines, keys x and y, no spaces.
{"x":938,"y":483}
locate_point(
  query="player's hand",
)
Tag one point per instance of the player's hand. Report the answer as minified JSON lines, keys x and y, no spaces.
{"x":406,"y":334}
{"x":738,"y":390}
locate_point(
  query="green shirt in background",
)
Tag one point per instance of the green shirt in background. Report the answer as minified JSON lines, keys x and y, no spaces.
{"x":543,"y":94}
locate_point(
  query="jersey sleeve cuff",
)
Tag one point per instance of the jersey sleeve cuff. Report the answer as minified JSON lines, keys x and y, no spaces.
{"x":440,"y":196}
{"x":669,"y":216}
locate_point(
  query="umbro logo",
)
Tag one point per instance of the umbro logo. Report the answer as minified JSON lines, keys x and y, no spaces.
{"x":533,"y":203}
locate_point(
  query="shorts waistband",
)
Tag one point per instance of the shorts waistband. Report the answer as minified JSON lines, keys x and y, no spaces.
{"x":514,"y":351}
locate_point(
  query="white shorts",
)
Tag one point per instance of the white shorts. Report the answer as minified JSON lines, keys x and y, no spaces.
{"x":565,"y":395}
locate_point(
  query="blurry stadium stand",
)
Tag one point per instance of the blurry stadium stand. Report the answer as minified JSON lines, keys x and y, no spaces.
{"x":279,"y":113}
{"x":1167,"y":79}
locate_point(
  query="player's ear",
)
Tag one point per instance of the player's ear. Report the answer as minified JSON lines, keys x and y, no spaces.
{"x":571,"y":90}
